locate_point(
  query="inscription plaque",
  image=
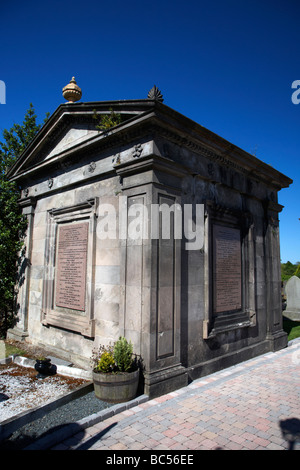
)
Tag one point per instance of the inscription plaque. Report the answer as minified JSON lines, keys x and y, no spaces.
{"x":227,"y":269}
{"x":71,"y":266}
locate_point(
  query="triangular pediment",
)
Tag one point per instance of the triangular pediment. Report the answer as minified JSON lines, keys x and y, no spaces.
{"x":71,"y":133}
{"x":69,"y":127}
{"x":73,"y":136}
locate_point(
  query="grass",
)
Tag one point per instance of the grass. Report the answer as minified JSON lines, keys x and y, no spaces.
{"x":292,"y":328}
{"x":8,"y":350}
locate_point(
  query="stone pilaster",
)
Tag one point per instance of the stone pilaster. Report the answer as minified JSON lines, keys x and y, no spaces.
{"x":150,"y":313}
{"x":20,"y":331}
{"x":275,"y":334}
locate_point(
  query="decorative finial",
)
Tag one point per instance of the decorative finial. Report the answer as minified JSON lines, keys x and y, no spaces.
{"x":155,"y":94}
{"x":72,"y":92}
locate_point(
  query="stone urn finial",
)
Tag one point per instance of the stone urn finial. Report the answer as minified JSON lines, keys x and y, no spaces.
{"x":72,"y":92}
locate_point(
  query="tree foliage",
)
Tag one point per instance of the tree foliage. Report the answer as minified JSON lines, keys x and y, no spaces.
{"x":289,"y":269}
{"x":12,"y":223}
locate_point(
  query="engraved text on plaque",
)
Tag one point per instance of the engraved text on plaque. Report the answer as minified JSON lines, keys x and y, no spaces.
{"x":71,"y":266}
{"x":227,"y":269}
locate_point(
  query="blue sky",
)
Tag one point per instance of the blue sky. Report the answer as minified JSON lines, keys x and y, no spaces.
{"x":228,"y":65}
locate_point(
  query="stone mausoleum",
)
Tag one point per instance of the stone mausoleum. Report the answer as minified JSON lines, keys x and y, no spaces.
{"x":188,"y":308}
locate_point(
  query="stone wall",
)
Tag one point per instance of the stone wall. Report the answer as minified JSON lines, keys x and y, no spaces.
{"x":155,"y":291}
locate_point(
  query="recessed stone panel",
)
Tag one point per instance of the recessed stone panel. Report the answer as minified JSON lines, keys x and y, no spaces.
{"x":165,"y":284}
{"x":227,"y":269}
{"x":71,"y":266}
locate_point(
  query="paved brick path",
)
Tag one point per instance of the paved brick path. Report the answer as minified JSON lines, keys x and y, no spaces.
{"x":247,"y":406}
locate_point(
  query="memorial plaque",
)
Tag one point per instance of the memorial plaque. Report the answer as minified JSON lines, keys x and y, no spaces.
{"x":227,"y":269}
{"x":71,"y":266}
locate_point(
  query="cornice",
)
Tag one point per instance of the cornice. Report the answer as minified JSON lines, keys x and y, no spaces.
{"x":149,"y":117}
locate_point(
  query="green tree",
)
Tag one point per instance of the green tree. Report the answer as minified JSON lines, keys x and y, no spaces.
{"x":12,"y":223}
{"x":289,"y":269}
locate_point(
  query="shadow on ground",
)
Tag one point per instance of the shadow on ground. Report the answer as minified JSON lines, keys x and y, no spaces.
{"x":25,"y":440}
{"x":290,"y":429}
{"x":90,"y":442}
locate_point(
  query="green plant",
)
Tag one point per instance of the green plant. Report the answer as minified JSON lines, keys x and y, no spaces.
{"x":289,"y":269}
{"x":103,"y":360}
{"x":106,"y":363}
{"x":116,"y":358}
{"x":107,"y":120}
{"x":123,"y":351}
{"x":42,"y":358}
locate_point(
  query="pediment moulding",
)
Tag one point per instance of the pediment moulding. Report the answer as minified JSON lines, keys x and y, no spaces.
{"x":140,"y":118}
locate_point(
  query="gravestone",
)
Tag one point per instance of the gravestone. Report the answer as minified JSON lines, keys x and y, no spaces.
{"x":292,"y":290}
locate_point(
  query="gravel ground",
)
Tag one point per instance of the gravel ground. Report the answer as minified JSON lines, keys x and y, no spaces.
{"x":69,"y":413}
{"x":20,"y":391}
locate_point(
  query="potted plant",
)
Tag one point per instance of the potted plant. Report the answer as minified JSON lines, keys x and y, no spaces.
{"x":44,"y":367}
{"x":115,"y":372}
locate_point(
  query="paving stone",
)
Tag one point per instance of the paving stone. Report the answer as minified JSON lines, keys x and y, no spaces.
{"x":239,"y":409}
